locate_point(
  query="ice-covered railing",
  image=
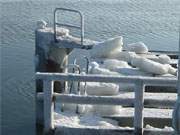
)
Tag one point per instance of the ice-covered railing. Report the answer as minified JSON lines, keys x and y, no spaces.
{"x":81,"y":27}
{"x":176,"y":113}
{"x":140,"y":83}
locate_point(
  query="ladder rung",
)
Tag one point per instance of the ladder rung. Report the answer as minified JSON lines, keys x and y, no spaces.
{"x":68,"y":25}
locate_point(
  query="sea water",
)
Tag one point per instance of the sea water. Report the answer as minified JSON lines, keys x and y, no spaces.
{"x":154,"y":22}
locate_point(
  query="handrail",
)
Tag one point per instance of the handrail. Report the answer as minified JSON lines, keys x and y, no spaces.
{"x":140,"y":83}
{"x":153,"y":81}
{"x":81,"y":27}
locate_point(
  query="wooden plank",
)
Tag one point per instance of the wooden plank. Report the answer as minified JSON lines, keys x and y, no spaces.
{"x":48,"y":106}
{"x":139,"y":106}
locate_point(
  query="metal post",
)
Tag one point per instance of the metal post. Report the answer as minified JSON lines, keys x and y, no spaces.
{"x":176,"y":112}
{"x":139,"y":106}
{"x":48,"y":107}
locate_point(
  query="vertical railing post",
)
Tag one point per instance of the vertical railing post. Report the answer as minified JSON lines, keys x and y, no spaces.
{"x":48,"y":107}
{"x":176,"y":112}
{"x":139,"y":107}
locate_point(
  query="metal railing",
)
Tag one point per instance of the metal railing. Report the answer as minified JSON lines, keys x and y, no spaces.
{"x":140,"y":83}
{"x":81,"y":27}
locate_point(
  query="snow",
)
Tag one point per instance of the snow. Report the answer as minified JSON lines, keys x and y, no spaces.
{"x":41,"y":24}
{"x":164,"y":59}
{"x":101,"y":89}
{"x":103,"y":71}
{"x":123,"y":56}
{"x":106,"y":48}
{"x":159,"y":129}
{"x":149,"y":66}
{"x":171,"y":70}
{"x":111,"y":60}
{"x":71,"y":119}
{"x":113,"y":64}
{"x":132,"y":72}
{"x":90,"y":120}
{"x":138,"y":47}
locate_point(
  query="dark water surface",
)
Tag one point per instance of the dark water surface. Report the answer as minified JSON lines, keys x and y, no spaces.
{"x":155,"y":22}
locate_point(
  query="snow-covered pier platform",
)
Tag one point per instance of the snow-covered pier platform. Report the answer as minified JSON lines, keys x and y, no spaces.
{"x":122,"y":90}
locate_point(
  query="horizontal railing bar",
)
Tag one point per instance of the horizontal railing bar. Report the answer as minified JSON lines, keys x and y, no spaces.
{"x":79,"y":99}
{"x":147,"y":102}
{"x":67,"y":25}
{"x":153,"y":81}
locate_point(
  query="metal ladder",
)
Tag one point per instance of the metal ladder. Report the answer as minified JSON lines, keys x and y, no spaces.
{"x":81,"y":27}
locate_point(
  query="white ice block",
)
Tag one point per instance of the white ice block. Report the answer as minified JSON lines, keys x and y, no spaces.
{"x":138,"y":47}
{"x":113,"y":64}
{"x":106,"y":48}
{"x":149,"y":66}
{"x":101,"y":89}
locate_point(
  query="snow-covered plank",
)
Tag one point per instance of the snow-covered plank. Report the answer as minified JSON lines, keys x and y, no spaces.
{"x":93,"y":131}
{"x":125,"y":121}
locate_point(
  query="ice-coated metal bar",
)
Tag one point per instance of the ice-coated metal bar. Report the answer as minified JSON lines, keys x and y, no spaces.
{"x":81,"y":99}
{"x":139,"y":107}
{"x":179,"y":65}
{"x":48,"y":106}
{"x":81,"y":27}
{"x":176,"y":118}
{"x":68,"y":25}
{"x":169,"y":103}
{"x":153,"y":81}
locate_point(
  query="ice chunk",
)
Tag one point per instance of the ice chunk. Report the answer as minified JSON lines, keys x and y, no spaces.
{"x":171,"y":70}
{"x":149,"y":66}
{"x":164,"y":59}
{"x":62,"y":31}
{"x":123,"y":56}
{"x":103,"y":71}
{"x":113,"y":64}
{"x":101,"y":89}
{"x":132,"y":72}
{"x":166,"y":75}
{"x":138,"y":47}
{"x":106,"y":48}
{"x":41,"y":24}
{"x":94,"y":64}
